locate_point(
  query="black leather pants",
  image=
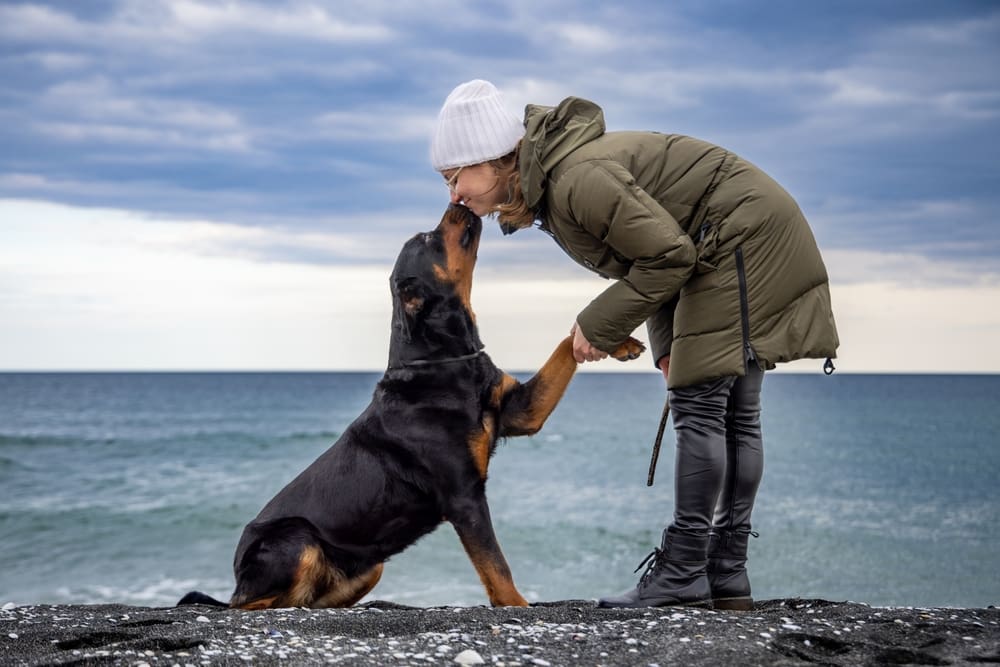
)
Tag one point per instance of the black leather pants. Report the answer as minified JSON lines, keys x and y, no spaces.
{"x":720,"y":454}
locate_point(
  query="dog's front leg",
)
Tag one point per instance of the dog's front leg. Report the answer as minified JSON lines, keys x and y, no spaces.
{"x":525,"y":407}
{"x":471,"y":519}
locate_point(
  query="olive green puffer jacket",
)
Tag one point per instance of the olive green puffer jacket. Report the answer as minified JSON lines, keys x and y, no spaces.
{"x":704,"y":247}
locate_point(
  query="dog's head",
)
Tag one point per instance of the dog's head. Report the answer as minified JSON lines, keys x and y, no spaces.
{"x":431,"y":286}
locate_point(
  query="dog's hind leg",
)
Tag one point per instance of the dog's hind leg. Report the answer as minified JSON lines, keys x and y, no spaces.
{"x":472,"y":523}
{"x":317,"y":584}
{"x":312,"y":576}
{"x":262,"y":603}
{"x":347,"y":592}
{"x":283,"y":574}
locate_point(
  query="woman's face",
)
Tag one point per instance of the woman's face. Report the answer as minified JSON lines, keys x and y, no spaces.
{"x":477,"y":186}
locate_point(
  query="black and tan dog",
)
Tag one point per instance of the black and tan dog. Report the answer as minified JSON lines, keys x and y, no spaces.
{"x":416,"y":456}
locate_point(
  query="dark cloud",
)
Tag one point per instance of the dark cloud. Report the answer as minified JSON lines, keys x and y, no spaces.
{"x":883,"y":119}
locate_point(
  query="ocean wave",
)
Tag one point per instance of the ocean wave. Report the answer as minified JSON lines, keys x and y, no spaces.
{"x":163,"y":592}
{"x":313,"y":435}
{"x":198,"y":437}
{"x":241,"y":438}
{"x":43,"y":440}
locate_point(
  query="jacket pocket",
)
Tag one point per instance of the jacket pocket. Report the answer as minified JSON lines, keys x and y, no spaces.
{"x":707,"y":247}
{"x":607,"y":264}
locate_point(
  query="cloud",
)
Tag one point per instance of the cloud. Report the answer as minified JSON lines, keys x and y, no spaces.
{"x":57,"y":61}
{"x":293,"y":135}
{"x":902,"y":270}
{"x":157,"y":22}
{"x":106,"y":289}
{"x":921,"y":229}
{"x":587,"y":36}
{"x":301,"y":21}
{"x":34,"y":22}
{"x":385,"y":124}
{"x":885,"y":327}
{"x":109,"y":289}
{"x":919,"y":74}
{"x":107,"y":115}
{"x":99,"y":98}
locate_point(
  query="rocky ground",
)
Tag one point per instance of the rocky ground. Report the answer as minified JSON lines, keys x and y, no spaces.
{"x":573,"y":632}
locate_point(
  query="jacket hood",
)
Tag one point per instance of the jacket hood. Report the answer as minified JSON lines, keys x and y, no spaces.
{"x":552,"y":133}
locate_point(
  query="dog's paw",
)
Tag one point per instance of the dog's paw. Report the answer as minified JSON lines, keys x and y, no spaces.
{"x":630,"y":349}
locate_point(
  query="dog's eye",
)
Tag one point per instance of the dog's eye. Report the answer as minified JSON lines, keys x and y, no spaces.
{"x":406,"y":285}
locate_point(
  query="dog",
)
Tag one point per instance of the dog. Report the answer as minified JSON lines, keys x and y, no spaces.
{"x":416,"y":457}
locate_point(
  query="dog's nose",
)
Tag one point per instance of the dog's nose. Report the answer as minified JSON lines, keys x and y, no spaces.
{"x":460,"y":216}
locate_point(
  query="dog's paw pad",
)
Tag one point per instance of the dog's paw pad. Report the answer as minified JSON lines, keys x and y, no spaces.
{"x":630,"y":349}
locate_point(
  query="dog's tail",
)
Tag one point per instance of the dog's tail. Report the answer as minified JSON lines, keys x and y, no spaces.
{"x":196,"y":597}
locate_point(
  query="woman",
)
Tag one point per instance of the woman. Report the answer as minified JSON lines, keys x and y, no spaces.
{"x":705,"y":248}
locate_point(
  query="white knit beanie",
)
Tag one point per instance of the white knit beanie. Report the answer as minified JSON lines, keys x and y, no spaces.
{"x":473,"y":126}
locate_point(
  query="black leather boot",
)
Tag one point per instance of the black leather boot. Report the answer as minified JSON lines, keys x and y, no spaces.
{"x":676,"y":575}
{"x":727,"y":572}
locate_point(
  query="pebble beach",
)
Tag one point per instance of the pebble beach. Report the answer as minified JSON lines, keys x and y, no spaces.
{"x":571,"y":632}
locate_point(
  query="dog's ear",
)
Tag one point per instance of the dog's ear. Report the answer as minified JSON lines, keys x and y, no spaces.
{"x":411,"y":302}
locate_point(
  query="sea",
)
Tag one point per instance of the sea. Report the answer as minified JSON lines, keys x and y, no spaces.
{"x":134,"y":487}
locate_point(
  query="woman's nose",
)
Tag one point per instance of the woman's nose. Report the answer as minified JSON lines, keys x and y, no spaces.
{"x":455,"y":198}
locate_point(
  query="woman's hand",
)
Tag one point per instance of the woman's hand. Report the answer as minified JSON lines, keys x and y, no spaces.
{"x":582,"y":349}
{"x":664,"y":364}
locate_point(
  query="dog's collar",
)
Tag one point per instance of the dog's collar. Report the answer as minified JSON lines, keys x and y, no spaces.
{"x":445,"y":360}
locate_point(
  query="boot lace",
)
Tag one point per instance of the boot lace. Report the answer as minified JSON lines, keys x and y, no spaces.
{"x":651,"y":563}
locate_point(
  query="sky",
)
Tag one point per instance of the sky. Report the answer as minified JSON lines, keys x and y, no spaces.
{"x":195,"y":185}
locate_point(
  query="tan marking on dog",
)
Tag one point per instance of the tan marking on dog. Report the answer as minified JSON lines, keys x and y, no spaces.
{"x":442,"y":274}
{"x":459,"y":262}
{"x":347,"y":592}
{"x":496,"y":578}
{"x":480,"y":443}
{"x":458,"y":282}
{"x":413,"y":305}
{"x":257,"y":605}
{"x":506,"y":383}
{"x":312,"y":576}
{"x":461,"y":268}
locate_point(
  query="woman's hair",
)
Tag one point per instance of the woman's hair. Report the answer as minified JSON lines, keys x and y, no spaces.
{"x":514,"y":213}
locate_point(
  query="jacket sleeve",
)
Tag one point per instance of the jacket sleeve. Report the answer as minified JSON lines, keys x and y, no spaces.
{"x":604,"y":199}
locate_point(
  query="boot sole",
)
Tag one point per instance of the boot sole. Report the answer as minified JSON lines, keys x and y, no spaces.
{"x":702,"y":604}
{"x":697,"y":604}
{"x":733,"y":604}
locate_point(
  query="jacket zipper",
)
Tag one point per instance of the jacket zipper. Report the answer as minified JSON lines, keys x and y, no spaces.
{"x":741,"y":275}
